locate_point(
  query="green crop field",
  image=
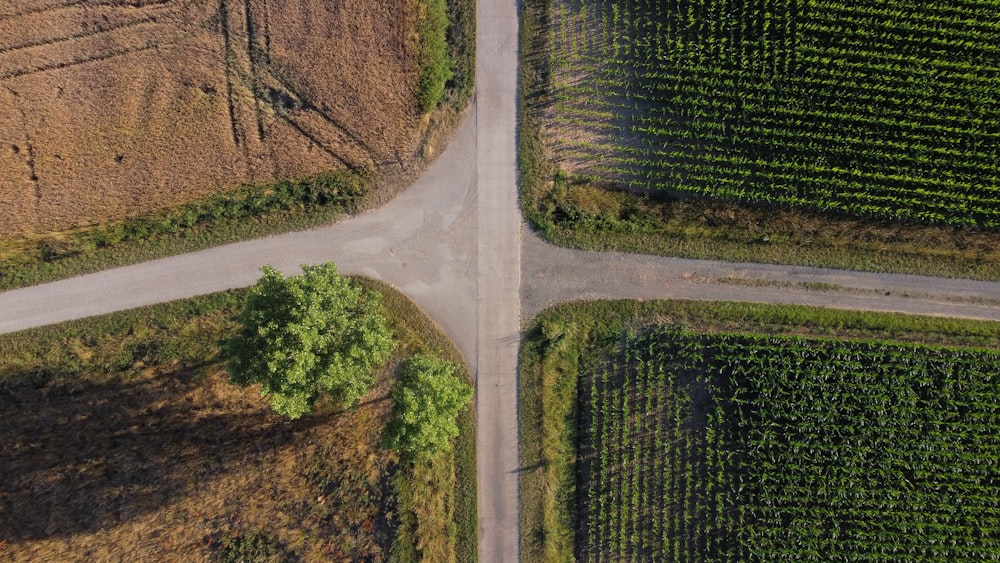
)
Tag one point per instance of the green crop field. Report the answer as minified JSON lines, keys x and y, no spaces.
{"x":881,"y":109}
{"x":733,"y":447}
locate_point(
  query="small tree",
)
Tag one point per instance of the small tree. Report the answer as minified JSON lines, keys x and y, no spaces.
{"x":426,"y":402}
{"x":309,"y":335}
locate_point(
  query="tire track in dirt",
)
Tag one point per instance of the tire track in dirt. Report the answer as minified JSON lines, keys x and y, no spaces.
{"x":119,"y":34}
{"x":252,"y":56}
{"x":46,"y":7}
{"x":247,"y":67}
{"x":266,"y":28}
{"x":63,"y":5}
{"x":102,"y":57}
{"x":319,"y":144}
{"x":77,"y":36}
{"x":281,"y":93}
{"x":227,"y":54}
{"x":29,"y":150}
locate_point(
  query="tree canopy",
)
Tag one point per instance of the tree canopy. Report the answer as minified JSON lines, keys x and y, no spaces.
{"x":305,"y":336}
{"x":426,"y":401}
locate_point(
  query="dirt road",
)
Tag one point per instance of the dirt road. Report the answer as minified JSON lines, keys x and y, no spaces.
{"x":499,"y":279}
{"x":553,"y":274}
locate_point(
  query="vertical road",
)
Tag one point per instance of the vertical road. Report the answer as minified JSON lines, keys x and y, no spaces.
{"x":499,"y":279}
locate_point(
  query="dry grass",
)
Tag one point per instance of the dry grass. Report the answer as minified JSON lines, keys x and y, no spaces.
{"x":123,"y":440}
{"x":161,"y":467}
{"x":113,"y":109}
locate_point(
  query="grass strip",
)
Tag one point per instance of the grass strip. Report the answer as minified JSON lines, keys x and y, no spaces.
{"x":417,"y":333}
{"x":241,"y":214}
{"x":435,"y":59}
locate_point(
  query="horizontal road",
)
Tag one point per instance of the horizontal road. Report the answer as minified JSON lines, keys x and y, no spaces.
{"x":454,"y":243}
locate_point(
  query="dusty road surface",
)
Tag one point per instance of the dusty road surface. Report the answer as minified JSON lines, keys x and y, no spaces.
{"x":423,"y":242}
{"x":499,"y":278}
{"x":553,"y":274}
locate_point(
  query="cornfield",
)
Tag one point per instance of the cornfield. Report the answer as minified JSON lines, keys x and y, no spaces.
{"x":884,"y":109}
{"x":721,"y":447}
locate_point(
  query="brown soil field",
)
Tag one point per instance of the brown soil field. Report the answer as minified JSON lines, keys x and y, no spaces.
{"x":109,"y":108}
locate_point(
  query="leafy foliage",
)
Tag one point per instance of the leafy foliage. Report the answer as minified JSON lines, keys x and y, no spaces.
{"x":435,"y":62}
{"x":249,"y":211}
{"x":256,"y":547}
{"x":309,"y":335}
{"x":426,"y":402}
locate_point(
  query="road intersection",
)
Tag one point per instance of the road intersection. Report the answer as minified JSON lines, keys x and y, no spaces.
{"x":455,"y":243}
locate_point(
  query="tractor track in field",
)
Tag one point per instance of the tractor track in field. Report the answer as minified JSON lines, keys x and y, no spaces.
{"x":19,"y":47}
{"x":29,"y":149}
{"x":151,"y":13}
{"x":247,"y":66}
{"x":115,"y":53}
{"x":342,"y":136}
{"x":252,"y":55}
{"x":239,"y":137}
{"x":63,"y":5}
{"x":90,"y":42}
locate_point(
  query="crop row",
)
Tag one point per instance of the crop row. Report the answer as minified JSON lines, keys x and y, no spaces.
{"x":869,"y":110}
{"x":708,"y":447}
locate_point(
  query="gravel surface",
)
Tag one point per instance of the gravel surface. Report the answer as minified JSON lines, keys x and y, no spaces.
{"x":552,"y":274}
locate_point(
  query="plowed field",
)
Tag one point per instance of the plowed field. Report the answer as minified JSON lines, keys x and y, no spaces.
{"x":113,"y":107}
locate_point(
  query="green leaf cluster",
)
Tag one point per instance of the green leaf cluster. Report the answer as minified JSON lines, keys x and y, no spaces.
{"x":307,"y":336}
{"x":426,"y":402}
{"x":435,"y":62}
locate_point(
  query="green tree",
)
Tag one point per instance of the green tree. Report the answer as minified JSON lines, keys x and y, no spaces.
{"x":306,"y":336}
{"x":426,"y":402}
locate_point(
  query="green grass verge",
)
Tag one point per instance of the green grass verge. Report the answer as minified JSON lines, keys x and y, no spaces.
{"x":435,"y":59}
{"x":462,"y":44}
{"x":569,"y":338}
{"x":416,"y":333}
{"x":579,"y":214}
{"x":241,"y":214}
{"x":66,"y":359}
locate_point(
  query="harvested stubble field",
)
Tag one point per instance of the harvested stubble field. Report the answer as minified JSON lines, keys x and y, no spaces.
{"x":123,"y":440}
{"x":115,"y":108}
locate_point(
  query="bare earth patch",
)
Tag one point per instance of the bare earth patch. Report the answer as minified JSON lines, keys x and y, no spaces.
{"x":114,"y":108}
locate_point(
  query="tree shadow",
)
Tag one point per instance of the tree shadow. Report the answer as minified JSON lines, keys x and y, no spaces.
{"x":81,"y":457}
